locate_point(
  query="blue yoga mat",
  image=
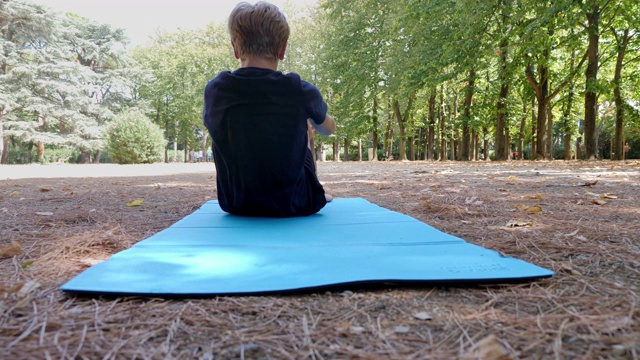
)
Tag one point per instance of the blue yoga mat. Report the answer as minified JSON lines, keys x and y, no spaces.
{"x":349,"y":242}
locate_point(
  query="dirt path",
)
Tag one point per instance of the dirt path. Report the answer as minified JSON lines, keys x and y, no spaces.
{"x":579,"y":219}
{"x":8,"y":172}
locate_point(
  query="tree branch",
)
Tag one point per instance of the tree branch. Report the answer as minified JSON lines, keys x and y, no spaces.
{"x":531,"y":79}
{"x":569,"y":77}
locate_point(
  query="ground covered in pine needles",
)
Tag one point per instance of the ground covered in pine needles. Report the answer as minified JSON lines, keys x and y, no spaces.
{"x":579,"y":219}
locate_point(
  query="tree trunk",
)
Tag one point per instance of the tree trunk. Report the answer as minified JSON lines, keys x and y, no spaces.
{"x":336,"y":150}
{"x":431,"y":134}
{"x":541,"y":121}
{"x":590,"y":95}
{"x":549,"y":148}
{"x":523,"y":127}
{"x":501,"y":124}
{"x":374,"y":134}
{"x":166,"y":134}
{"x":443,"y":126}
{"x":98,"y":157}
{"x":388,"y":138}
{"x":618,"y":141}
{"x":3,"y":141}
{"x":466,"y":117}
{"x":4,"y":158}
{"x":412,"y":148}
{"x":40,"y":146}
{"x":566,"y":115}
{"x":486,"y":150}
{"x":346,"y":149}
{"x":402,"y":120}
{"x":534,"y":150}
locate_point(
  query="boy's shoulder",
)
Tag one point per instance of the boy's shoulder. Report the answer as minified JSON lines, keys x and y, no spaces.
{"x":226,"y":77}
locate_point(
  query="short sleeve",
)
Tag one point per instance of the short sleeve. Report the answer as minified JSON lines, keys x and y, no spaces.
{"x":315,"y":107}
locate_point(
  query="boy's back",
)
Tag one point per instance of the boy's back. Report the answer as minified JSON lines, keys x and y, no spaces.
{"x":257,"y":118}
{"x":258,"y":124}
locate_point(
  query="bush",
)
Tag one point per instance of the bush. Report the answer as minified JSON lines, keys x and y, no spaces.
{"x":134,"y":139}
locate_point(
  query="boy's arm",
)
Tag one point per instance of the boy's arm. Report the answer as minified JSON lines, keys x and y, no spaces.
{"x":327,"y":127}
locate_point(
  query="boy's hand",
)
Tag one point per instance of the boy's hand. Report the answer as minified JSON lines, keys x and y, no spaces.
{"x":328,"y":127}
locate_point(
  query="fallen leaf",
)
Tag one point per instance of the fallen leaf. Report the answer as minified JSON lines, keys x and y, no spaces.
{"x":534,"y":196}
{"x":44,"y":190}
{"x":590,"y":183}
{"x":15,"y":194}
{"x":598,"y":202}
{"x":29,"y":287}
{"x":512,"y":177}
{"x":519,"y":223}
{"x":135,"y":202}
{"x":44,"y":213}
{"x":533,"y":209}
{"x":607,"y":196}
{"x":10,"y":250}
{"x":26,"y":264}
{"x":488,"y":348}
{"x":570,"y":269}
{"x":90,"y":261}
{"x":423,"y":316}
{"x":401,"y":329}
{"x":574,"y":233}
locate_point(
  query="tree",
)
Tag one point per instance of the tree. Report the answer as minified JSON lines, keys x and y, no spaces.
{"x":55,"y":93}
{"x":181,"y":63}
{"x":592,"y":12}
{"x":624,"y":31}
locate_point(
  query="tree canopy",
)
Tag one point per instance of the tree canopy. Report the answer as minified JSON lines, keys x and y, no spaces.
{"x":428,"y":79}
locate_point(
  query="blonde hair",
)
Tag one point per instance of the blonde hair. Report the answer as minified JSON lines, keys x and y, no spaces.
{"x":258,"y":30}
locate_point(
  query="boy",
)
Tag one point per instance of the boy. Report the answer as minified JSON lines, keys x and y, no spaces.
{"x":257,"y":118}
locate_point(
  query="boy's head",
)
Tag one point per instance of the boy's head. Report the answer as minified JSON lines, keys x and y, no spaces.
{"x":259,"y":30}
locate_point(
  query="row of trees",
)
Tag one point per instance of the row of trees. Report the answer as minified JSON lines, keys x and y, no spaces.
{"x":421,"y":79}
{"x":456,"y":76}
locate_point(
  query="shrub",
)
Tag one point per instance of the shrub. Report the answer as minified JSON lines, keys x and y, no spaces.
{"x":133,"y":139}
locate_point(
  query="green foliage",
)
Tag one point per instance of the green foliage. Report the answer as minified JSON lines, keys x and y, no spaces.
{"x":180,"y":65}
{"x":62,"y":77}
{"x":134,"y":139}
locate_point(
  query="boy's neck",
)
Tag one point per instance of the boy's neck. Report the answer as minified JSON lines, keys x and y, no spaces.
{"x":259,"y":62}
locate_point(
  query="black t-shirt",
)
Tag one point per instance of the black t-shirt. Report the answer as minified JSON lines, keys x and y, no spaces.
{"x":257,"y":119}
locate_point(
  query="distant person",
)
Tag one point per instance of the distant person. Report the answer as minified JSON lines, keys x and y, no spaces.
{"x":257,"y":118}
{"x":209,"y":155}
